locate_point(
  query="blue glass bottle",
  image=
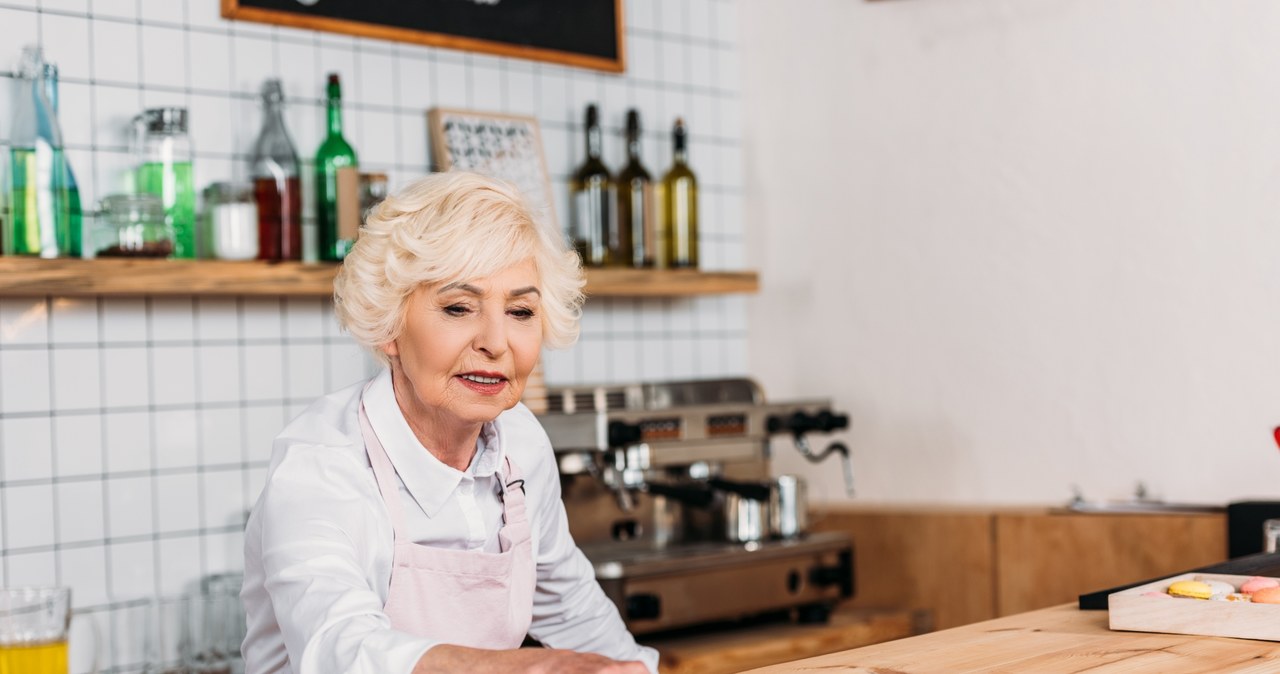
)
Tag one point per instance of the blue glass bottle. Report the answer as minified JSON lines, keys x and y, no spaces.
{"x":75,"y":214}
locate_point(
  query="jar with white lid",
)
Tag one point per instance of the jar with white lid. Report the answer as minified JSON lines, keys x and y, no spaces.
{"x":230,"y":222}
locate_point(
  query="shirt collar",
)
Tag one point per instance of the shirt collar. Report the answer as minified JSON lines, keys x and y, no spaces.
{"x":430,"y":482}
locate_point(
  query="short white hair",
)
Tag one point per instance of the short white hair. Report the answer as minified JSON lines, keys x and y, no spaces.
{"x":446,"y":228}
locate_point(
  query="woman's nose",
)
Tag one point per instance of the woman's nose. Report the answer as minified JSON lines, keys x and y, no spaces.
{"x":491,"y":336}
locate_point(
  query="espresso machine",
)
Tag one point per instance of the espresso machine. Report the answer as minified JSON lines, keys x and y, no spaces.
{"x":668,"y":492}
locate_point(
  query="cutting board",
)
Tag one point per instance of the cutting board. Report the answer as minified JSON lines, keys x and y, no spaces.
{"x":1130,"y":611}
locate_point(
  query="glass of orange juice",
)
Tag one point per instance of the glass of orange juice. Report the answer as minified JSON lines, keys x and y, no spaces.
{"x":34,"y":622}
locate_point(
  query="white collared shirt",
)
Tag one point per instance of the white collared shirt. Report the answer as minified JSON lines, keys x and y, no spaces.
{"x":318,"y":546}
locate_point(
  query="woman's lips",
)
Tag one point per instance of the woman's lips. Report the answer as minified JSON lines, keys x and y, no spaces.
{"x":486,"y":384}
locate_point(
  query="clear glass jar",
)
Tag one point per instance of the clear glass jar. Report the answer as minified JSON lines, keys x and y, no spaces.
{"x":163,"y":146}
{"x":133,"y":225}
{"x":230,"y":222}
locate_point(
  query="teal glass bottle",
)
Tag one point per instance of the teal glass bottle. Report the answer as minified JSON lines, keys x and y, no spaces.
{"x":39,"y":206}
{"x":74,"y":236}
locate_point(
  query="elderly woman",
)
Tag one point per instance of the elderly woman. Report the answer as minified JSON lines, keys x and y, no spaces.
{"x":413,"y":523}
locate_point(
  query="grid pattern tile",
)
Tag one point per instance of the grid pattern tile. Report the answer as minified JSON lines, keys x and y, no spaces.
{"x":134,"y":433}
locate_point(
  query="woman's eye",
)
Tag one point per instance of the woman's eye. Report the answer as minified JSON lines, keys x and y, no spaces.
{"x":457,"y":310}
{"x":521,"y":313}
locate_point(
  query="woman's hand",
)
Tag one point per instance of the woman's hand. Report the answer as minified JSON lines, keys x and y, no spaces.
{"x":449,"y":659}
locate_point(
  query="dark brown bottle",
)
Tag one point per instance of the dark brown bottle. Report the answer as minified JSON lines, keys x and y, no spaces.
{"x":276,"y":187}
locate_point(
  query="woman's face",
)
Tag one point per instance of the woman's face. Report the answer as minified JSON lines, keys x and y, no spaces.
{"x":467,"y":348}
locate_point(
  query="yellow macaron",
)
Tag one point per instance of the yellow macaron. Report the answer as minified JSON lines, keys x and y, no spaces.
{"x":1191,"y":588}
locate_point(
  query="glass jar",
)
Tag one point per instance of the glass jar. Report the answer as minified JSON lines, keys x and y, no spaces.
{"x":163,"y":146}
{"x":133,"y":225}
{"x":230,"y":222}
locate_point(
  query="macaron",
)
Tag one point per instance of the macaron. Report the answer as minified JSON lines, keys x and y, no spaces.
{"x":1193,"y":589}
{"x":1267,"y":595}
{"x":1257,"y":583}
{"x":1219,"y":588}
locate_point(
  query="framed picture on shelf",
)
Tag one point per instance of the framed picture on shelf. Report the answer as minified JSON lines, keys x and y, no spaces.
{"x":508,"y":147}
{"x":583,"y":33}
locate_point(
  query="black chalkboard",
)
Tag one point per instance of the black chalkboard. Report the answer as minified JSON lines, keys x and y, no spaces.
{"x":585,"y":33}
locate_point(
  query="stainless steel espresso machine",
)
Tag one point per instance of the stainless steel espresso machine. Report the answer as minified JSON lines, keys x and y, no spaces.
{"x":668,"y":493}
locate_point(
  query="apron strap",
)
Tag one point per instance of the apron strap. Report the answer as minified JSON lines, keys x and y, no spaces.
{"x":385,"y":474}
{"x":513,"y":492}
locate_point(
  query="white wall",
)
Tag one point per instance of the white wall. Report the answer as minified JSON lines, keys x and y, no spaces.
{"x":1026,"y":244}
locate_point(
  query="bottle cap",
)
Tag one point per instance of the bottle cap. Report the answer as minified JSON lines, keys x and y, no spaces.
{"x":593,"y":115}
{"x":272,"y":90}
{"x":224,"y":192}
{"x":165,"y":120}
{"x":633,"y":121}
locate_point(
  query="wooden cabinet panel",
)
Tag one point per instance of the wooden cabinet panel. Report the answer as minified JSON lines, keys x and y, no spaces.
{"x":971,"y":564}
{"x":939,"y":560}
{"x":1043,"y":559}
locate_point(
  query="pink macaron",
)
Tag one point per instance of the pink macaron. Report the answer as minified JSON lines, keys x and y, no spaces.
{"x":1258,"y":583}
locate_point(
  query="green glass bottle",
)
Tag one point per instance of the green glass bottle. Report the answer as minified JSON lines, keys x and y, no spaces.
{"x":680,"y":207}
{"x":594,"y":204}
{"x":337,"y":184}
{"x":39,"y":205}
{"x":635,"y":199}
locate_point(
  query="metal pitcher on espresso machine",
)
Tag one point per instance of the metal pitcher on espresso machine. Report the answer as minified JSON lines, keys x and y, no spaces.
{"x":668,"y":492}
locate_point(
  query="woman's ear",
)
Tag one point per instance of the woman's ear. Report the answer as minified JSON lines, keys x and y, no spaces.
{"x":391,"y":349}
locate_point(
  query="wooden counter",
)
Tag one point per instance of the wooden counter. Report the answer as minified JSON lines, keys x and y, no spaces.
{"x":727,"y":650}
{"x":1058,"y":639}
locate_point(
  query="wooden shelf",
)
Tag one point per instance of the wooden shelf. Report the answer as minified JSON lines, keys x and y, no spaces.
{"x":32,"y":277}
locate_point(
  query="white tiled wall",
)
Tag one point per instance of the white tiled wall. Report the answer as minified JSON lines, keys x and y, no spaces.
{"x":134,"y":432}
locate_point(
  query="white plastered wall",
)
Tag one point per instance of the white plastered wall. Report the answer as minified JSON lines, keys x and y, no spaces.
{"x":1026,"y":244}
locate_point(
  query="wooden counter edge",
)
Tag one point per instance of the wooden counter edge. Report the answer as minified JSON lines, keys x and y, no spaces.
{"x":1058,"y":638}
{"x":736,"y":649}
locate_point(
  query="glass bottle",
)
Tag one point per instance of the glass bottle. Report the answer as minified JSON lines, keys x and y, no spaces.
{"x":635,"y":198}
{"x":276,"y":188}
{"x":593,"y":194}
{"x":164,"y":169}
{"x":39,"y":208}
{"x":337,"y":184}
{"x":680,"y":207}
{"x":75,"y":212}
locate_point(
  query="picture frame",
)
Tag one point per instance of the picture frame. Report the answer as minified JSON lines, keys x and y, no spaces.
{"x":582,"y":33}
{"x":508,"y":147}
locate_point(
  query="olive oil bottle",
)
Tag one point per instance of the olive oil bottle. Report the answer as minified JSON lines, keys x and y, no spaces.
{"x":593,"y":207}
{"x":635,"y":199}
{"x":680,"y":207}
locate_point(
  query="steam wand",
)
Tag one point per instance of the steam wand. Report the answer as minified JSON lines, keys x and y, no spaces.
{"x":799,"y":422}
{"x":846,"y":461}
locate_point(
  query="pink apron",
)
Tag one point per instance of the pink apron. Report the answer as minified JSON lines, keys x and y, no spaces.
{"x":459,"y":597}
